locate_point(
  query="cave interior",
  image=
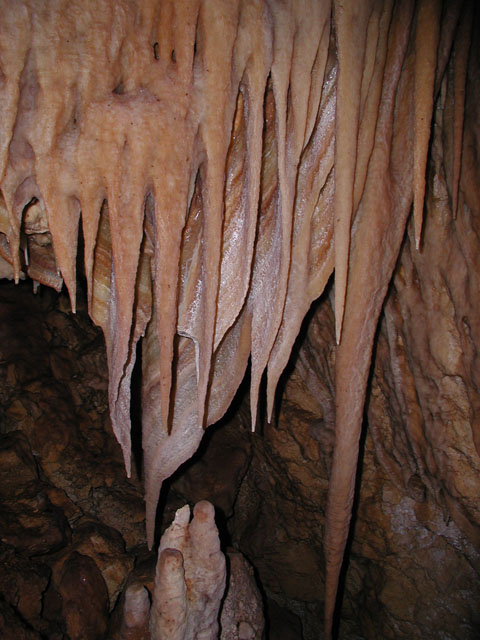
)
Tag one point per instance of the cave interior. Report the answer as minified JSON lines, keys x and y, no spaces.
{"x":239,"y":262}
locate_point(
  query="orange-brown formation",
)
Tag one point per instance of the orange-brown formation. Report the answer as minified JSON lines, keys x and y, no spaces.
{"x":210,"y":151}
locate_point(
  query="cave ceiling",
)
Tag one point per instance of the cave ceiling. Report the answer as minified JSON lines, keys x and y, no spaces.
{"x":210,"y":165}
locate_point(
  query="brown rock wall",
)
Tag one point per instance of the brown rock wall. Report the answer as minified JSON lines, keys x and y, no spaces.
{"x":67,"y":511}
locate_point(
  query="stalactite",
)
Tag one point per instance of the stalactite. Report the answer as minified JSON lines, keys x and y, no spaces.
{"x":427,"y":34}
{"x":222,"y":160}
{"x":460,"y":55}
{"x":351,"y":20}
{"x":369,"y":275}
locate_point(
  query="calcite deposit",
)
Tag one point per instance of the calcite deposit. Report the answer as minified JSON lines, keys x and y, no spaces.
{"x":190,"y":577}
{"x":206,"y":166}
{"x":242,"y":608}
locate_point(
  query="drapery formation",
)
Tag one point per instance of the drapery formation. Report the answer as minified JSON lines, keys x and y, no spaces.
{"x":211,"y":151}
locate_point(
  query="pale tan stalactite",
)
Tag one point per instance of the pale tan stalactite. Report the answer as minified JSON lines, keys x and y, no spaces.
{"x":312,"y":241}
{"x":268,"y":294}
{"x":309,"y":140}
{"x":243,"y":167}
{"x":427,"y":35}
{"x":217,"y":28}
{"x":380,"y":221}
{"x":351,"y":20}
{"x":460,"y":56}
{"x":170,"y":178}
{"x":368,"y":279}
{"x":371,"y":91}
{"x":14,"y":52}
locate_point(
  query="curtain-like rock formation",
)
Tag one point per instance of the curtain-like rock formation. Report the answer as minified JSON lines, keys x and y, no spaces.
{"x":211,"y":151}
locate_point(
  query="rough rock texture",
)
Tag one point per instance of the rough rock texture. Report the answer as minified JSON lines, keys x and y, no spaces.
{"x":84,"y":598}
{"x":23,"y":581}
{"x":13,"y":627}
{"x":67,"y":512}
{"x":242,"y":608}
{"x":28,"y":518}
{"x":279,"y":517}
{"x":53,"y":389}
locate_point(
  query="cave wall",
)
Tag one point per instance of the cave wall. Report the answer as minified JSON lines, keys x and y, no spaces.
{"x":69,"y":516}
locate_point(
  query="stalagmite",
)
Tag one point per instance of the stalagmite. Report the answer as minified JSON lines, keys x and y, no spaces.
{"x":188,"y":587}
{"x":217,"y":161}
{"x":190,"y":578}
{"x":136,"y":613}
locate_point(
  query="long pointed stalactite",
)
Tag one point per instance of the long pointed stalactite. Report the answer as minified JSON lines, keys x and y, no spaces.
{"x":222,"y":160}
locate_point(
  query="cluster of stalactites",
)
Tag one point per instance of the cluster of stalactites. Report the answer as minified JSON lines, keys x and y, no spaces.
{"x":195,"y":144}
{"x":178,"y":135}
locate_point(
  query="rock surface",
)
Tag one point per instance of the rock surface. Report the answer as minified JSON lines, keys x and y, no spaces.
{"x":84,"y":598}
{"x":68,"y":513}
{"x":242,"y":609}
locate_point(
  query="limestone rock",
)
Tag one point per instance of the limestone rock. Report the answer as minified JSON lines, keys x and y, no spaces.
{"x":190,"y":578}
{"x":23,"y":582}
{"x":12,"y":627}
{"x":28,"y":520}
{"x":84,"y":598}
{"x":59,"y":401}
{"x":107,"y":548}
{"x":63,"y":471}
{"x":242,"y":608}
